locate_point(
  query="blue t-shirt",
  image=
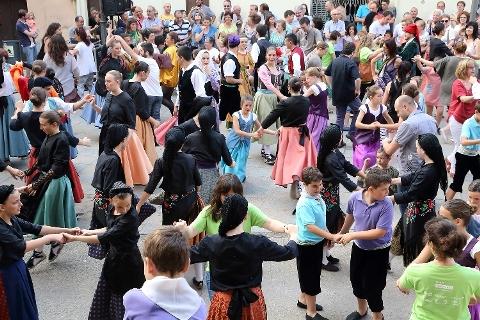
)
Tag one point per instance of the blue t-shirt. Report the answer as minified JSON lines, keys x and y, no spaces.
{"x":21,"y":27}
{"x":197,"y":29}
{"x":362,"y":12}
{"x":310,"y":210}
{"x":471,"y":131}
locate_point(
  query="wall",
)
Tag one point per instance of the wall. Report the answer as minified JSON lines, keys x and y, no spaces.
{"x":425,"y":7}
{"x":278,"y":7}
{"x":61,"y":11}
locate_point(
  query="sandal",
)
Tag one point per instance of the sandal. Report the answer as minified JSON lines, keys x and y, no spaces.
{"x":269,"y":159}
{"x":197,"y":284}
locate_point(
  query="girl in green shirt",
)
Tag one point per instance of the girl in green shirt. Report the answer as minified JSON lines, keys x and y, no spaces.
{"x":209,"y":218}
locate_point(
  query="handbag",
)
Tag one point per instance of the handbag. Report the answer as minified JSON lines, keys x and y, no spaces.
{"x":162,"y":129}
{"x":396,"y":247}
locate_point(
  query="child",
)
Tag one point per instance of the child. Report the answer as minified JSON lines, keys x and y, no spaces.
{"x":317,"y":92}
{"x":431,"y":90}
{"x":383,"y":164}
{"x":236,"y":261}
{"x":123,"y":266}
{"x":460,"y":213}
{"x":295,"y":148}
{"x":371,"y":117}
{"x":165,"y":294}
{"x":372,"y":213}
{"x":334,"y":168}
{"x":474,"y":200}
{"x":422,"y":190}
{"x":329,"y":55}
{"x":467,"y":156}
{"x":443,"y":288}
{"x":238,"y":138}
{"x":311,"y":222}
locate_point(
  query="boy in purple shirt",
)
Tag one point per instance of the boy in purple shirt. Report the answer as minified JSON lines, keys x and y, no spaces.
{"x":372,"y":212}
{"x":165,"y":295}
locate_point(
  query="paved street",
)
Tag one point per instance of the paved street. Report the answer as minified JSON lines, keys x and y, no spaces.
{"x":64,"y":288}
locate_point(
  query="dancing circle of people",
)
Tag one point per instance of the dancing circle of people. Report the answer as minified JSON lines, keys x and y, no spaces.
{"x":267,"y":81}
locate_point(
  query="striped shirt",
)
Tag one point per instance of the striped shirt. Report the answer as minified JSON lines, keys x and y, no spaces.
{"x":182,"y":30}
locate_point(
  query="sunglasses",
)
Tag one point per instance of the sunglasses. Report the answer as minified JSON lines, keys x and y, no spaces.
{"x":445,"y":20}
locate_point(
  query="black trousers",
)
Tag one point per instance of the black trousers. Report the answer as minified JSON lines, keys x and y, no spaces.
{"x":463,"y":166}
{"x":309,"y":268}
{"x":167,"y":97}
{"x":368,"y":275}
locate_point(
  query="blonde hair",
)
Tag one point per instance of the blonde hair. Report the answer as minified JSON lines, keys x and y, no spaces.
{"x":116,"y":75}
{"x":315,"y":72}
{"x":364,"y":40}
{"x":461,"y":71}
{"x":372,"y":90}
{"x":246,"y":98}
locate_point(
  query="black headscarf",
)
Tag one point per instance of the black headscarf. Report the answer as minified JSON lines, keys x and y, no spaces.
{"x":329,"y":140}
{"x":116,"y":133}
{"x":118,"y":188}
{"x":207,"y":118}
{"x":234,"y":211}
{"x":174,"y":140}
{"x":5,"y":192}
{"x":430,"y":144}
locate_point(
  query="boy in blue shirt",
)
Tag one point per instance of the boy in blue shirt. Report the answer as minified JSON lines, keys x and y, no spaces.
{"x":468,"y":154}
{"x":312,"y":233}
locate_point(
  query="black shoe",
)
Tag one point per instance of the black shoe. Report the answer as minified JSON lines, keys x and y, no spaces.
{"x":355,"y":316}
{"x":389,"y":267}
{"x":262,"y":152}
{"x":330,"y":267}
{"x":304,"y":306}
{"x":269,"y":159}
{"x":349,"y":137}
{"x":197,"y":284}
{"x":294,"y":212}
{"x":35,"y":259}
{"x":316,"y":317}
{"x":333,"y":260}
{"x":55,"y":250}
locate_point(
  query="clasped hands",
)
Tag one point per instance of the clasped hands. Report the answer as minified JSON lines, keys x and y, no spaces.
{"x":342,"y":238}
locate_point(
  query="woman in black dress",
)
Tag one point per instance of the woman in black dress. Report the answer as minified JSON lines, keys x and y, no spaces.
{"x":119,"y":108}
{"x":15,"y":281}
{"x":123,"y":266}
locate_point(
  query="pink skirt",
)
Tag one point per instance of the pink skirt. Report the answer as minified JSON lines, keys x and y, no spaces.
{"x":364,"y":151}
{"x":135,"y":161}
{"x":292,"y":157}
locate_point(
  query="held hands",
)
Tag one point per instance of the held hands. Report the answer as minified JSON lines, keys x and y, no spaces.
{"x":59,"y":238}
{"x":180,"y":225}
{"x":175,"y":111}
{"x":85,"y":141}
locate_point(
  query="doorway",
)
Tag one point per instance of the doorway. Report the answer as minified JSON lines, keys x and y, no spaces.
{"x":9,"y":10}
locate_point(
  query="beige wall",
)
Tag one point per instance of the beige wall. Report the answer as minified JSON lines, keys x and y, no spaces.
{"x":61,"y":11}
{"x":425,"y":7}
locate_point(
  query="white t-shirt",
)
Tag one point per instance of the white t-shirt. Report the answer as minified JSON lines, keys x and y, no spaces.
{"x":316,"y":90}
{"x":376,"y":113}
{"x":152,"y":84}
{"x":377,"y":29}
{"x":85,"y":61}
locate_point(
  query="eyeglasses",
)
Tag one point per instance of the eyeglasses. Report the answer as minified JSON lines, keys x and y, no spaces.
{"x":445,"y":21}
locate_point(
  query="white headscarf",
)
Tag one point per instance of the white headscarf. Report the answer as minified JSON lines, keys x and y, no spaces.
{"x":199,"y":63}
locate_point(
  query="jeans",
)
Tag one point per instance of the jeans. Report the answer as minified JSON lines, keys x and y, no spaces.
{"x":30,"y":54}
{"x":154,"y":105}
{"x":85,"y":83}
{"x":208,"y":282}
{"x":342,"y":110}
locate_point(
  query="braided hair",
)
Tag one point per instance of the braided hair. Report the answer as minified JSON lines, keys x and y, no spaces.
{"x":329,"y":141}
{"x":116,"y":133}
{"x":430,"y":144}
{"x":234,"y":211}
{"x":174,"y":140}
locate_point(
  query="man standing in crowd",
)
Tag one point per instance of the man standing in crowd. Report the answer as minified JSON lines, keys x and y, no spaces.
{"x":362,"y":12}
{"x":230,"y":79}
{"x":169,"y":77}
{"x":344,"y":79}
{"x":167,"y":17}
{"x":152,"y":23}
{"x":308,"y":35}
{"x":259,"y":50}
{"x":415,"y":123}
{"x":296,"y":58}
{"x":182,"y":28}
{"x":138,"y":15}
{"x":151,"y":85}
{"x":335,"y":25}
{"x":26,"y":37}
{"x":190,"y":86}
{"x":328,"y":8}
{"x":79,"y":23}
{"x":204,"y":9}
{"x":380,"y":26}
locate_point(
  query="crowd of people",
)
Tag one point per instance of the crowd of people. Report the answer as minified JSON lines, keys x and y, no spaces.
{"x":398,"y":84}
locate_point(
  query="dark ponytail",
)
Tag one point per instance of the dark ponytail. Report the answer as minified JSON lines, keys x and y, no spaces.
{"x":116,"y":133}
{"x":444,"y":237}
{"x":459,"y":209}
{"x":207,"y":118}
{"x":234,"y":211}
{"x":174,"y":140}
{"x":329,"y":141}
{"x":430,"y":144}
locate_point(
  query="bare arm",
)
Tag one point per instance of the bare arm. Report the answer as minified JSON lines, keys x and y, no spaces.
{"x":467,"y":142}
{"x":424,"y":256}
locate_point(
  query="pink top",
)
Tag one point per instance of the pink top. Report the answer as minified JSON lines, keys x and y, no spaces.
{"x":431,"y":86}
{"x":264,"y":74}
{"x":461,"y":111}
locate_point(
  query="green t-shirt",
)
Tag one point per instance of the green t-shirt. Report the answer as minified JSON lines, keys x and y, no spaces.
{"x":364,"y":54}
{"x":442,"y":292}
{"x":204,"y":222}
{"x":327,"y":58}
